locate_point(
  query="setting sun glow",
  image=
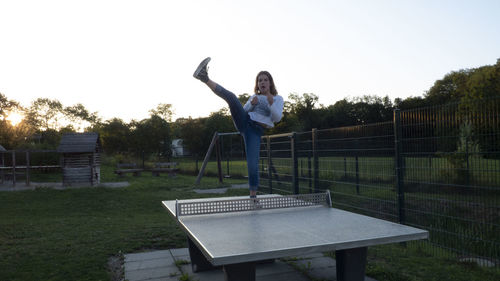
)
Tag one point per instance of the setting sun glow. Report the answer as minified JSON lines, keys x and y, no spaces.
{"x":15,"y":118}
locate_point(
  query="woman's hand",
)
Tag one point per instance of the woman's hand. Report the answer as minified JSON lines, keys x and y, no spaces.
{"x":255,"y":101}
{"x":270,"y":99}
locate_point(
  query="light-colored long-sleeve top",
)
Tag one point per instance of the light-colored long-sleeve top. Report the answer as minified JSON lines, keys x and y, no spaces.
{"x":264,"y":113}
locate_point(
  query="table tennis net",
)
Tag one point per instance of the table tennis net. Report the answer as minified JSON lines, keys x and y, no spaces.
{"x":250,"y":204}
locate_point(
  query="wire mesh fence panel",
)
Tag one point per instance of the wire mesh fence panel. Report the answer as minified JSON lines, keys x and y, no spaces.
{"x":277,"y":164}
{"x":436,"y":168}
{"x":452,"y":176}
{"x":357,"y":164}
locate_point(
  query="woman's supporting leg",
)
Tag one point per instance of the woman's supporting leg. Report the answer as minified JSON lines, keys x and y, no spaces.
{"x":252,"y":146}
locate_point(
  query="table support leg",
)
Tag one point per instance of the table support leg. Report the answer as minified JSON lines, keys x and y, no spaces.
{"x":351,"y":264}
{"x":240,"y":272}
{"x":198,"y":260}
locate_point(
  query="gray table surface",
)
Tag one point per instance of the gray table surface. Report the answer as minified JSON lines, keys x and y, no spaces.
{"x":238,"y":237}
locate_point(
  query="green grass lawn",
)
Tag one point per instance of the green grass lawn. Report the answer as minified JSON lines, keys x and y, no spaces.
{"x":48,"y":234}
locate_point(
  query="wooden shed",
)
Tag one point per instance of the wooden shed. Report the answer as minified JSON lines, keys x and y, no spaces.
{"x":80,"y":159}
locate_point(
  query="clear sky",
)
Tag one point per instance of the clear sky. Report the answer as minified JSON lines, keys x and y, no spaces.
{"x":122,"y":58}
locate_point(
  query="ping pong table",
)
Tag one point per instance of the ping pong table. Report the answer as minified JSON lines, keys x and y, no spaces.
{"x":238,"y":232}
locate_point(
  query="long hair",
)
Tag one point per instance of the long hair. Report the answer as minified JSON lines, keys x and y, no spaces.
{"x":273,"y":90}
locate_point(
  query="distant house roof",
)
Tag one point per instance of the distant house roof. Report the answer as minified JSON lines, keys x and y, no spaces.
{"x":2,"y":148}
{"x":79,"y":143}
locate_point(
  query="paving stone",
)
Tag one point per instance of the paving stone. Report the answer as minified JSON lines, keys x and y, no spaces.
{"x":182,"y":258}
{"x":149,"y":263}
{"x":160,"y":266}
{"x":323,"y":273}
{"x":150,"y":273}
{"x":210,"y":275}
{"x":179,"y":252}
{"x":148,"y":255}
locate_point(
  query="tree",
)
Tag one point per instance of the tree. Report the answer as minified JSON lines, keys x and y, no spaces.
{"x":7,"y":106}
{"x":152,"y":135}
{"x":191,"y":132}
{"x":45,"y":114}
{"x":340,"y":114}
{"x":115,"y":135}
{"x":410,"y":103}
{"x":11,"y":136}
{"x":219,"y":121}
{"x":372,"y":109}
{"x":304,"y":109}
{"x":243,"y":98}
{"x":79,"y":117}
{"x":164,"y":111}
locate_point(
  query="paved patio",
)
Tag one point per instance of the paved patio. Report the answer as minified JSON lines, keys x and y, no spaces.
{"x":171,"y":265}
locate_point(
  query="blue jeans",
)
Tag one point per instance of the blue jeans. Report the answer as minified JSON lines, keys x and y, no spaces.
{"x":251,"y":132}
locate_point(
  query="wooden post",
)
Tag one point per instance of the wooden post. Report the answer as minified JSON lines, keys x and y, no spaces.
{"x":2,"y":173}
{"x":27,"y":168}
{"x":13,"y":168}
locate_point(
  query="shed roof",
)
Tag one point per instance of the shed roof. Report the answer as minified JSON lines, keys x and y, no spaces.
{"x":2,"y":148}
{"x":79,"y":143}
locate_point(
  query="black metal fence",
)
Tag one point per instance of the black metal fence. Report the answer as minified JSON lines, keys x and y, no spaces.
{"x":435,"y":168}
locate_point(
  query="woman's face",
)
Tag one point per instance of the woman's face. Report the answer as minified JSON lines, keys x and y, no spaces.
{"x":264,"y":84}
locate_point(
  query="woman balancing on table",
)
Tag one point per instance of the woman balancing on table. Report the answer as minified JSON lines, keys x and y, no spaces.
{"x":261,"y":111}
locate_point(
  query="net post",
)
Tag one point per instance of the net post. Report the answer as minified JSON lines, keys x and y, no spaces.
{"x":177,"y":209}
{"x":328,"y":198}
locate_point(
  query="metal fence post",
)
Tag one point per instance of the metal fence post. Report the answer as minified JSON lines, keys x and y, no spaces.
{"x":295,"y":172}
{"x":309,"y":171}
{"x":357,"y":173}
{"x":399,"y":165}
{"x":269,"y":165}
{"x":315,"y":159}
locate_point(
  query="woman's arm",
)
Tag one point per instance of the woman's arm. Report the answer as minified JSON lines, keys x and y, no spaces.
{"x":250,"y":104}
{"x":277,"y":109}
